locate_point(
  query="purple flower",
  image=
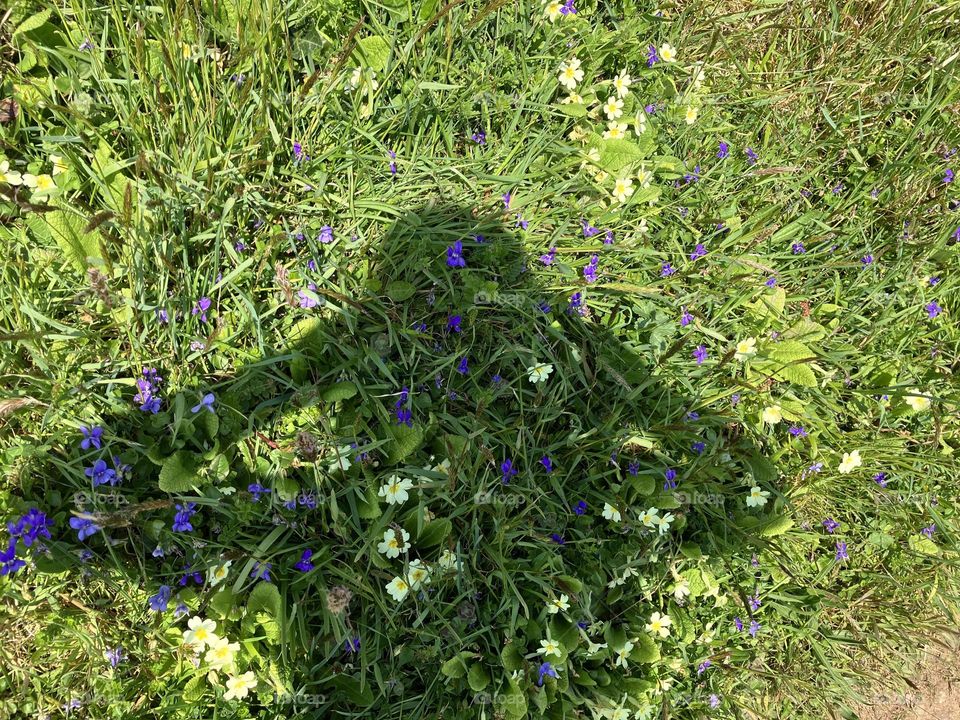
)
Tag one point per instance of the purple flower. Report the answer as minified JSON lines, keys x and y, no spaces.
{"x":754,"y":602}
{"x":652,"y":57}
{"x":115,"y":656}
{"x":798,"y":431}
{"x":558,"y":539}
{"x":754,"y":628}
{"x":351,"y":645}
{"x":206,"y":402}
{"x":30,"y":526}
{"x":404,"y":416}
{"x":101,"y":474}
{"x":576,"y":304}
{"x":455,"y":255}
{"x":588,"y":229}
{"x":929,"y":530}
{"x":453,"y":323}
{"x":700,"y":354}
{"x":698,"y":447}
{"x":751,"y":156}
{"x":479,"y":137}
{"x":798,"y":248}
{"x":393,"y":164}
{"x":590,"y":271}
{"x":866,"y":260}
{"x":685,"y":317}
{"x":880,"y":479}
{"x":256,"y":489}
{"x":666,"y":270}
{"x":181,"y":519}
{"x":608,"y":237}
{"x":187,"y":576}
{"x":162,"y":316}
{"x":91,"y":437}
{"x":521,"y":222}
{"x":934,"y":280}
{"x":84,"y":527}
{"x":261,"y":571}
{"x":545,"y":670}
{"x":698,"y":252}
{"x":201,"y":307}
{"x":506,"y":200}
{"x":948,"y":176}
{"x":771,"y":282}
{"x":9,"y":562}
{"x":738,"y":623}
{"x":723,"y":151}
{"x":304,"y":564}
{"x":842,"y":551}
{"x":671,"y":479}
{"x":158,"y":602}
{"x":306,"y":301}
{"x":830,"y":525}
{"x":568,"y":8}
{"x":508,"y":471}
{"x":703,"y":667}
{"x":548,"y":258}
{"x":326,"y":235}
{"x":714,"y":701}
{"x":580,"y":508}
{"x":933,"y":309}
{"x":547,"y":463}
{"x":462,"y":367}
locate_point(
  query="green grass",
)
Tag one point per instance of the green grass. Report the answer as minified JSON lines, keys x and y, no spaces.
{"x":177,"y":127}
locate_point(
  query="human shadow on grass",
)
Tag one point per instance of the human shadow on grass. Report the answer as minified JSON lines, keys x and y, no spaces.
{"x":417,"y":358}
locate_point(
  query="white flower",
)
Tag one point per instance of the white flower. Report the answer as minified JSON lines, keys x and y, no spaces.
{"x":220,"y":573}
{"x":41,"y":184}
{"x":395,"y":491}
{"x":200,"y":632}
{"x":613,"y":108}
{"x":11,"y":177}
{"x":623,"y":189}
{"x":849,"y":461}
{"x":573,"y":99}
{"x":391,"y":545}
{"x":663,"y":522}
{"x":59,"y":166}
{"x":221,"y":653}
{"x":691,"y":114}
{"x":540,"y":372}
{"x":552,"y":11}
{"x":611,"y":513}
{"x":342,"y":459}
{"x":593,"y":647}
{"x":556,"y":605}
{"x":642,"y":228}
{"x":916,"y":401}
{"x":659,"y":624}
{"x":622,"y":83}
{"x":757,"y":497}
{"x":668,"y":53}
{"x":239,"y":686}
{"x":570,"y":74}
{"x":640,"y":122}
{"x":681,"y":590}
{"x":623,"y":653}
{"x":448,"y":560}
{"x":398,"y":588}
{"x":615,"y":130}
{"x":549,"y":647}
{"x":644,"y":177}
{"x":772,"y":414}
{"x":650,"y":517}
{"x":746,"y":348}
{"x":418,"y":574}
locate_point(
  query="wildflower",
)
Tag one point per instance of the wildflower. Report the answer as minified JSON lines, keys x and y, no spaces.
{"x":256,"y":490}
{"x":114,"y":656}
{"x":304,"y":564}
{"x":757,"y":497}
{"x":948,"y":176}
{"x":652,"y":57}
{"x":685,"y":317}
{"x":623,"y":653}
{"x":691,"y":114}
{"x":714,"y":701}
{"x":751,"y":156}
{"x":447,"y":560}
{"x":453,"y":323}
{"x":508,"y":471}
{"x":849,"y":462}
{"x":724,"y":150}
{"x":9,"y":562}
{"x":549,"y":647}
{"x":455,"y":255}
{"x":561,"y":604}
{"x":615,"y":130}
{"x":351,"y":645}
{"x":590,"y":271}
{"x":10,"y":177}
{"x":611,"y":513}
{"x":698,"y":447}
{"x":221,"y":653}
{"x":31,"y":526}
{"x":798,"y":431}
{"x":181,"y":519}
{"x":239,"y":686}
{"x":738,"y":624}
{"x":613,"y":108}
{"x":261,"y":571}
{"x":392,"y":545}
{"x":404,"y":416}
{"x":158,"y":602}
{"x":754,"y":628}
{"x":568,"y":8}
{"x":41,"y":184}
{"x":659,"y":625}
{"x":608,"y":236}
{"x":395,"y":491}
{"x":916,"y":401}
{"x":663,"y":522}
{"x":91,"y":436}
{"x":622,"y":189}
{"x":772,"y":415}
{"x":220,"y":573}
{"x":668,"y":53}
{"x":771,"y":282}
{"x":200,"y":632}
{"x":842,"y":551}
{"x":306,"y":300}
{"x":698,"y":252}
{"x":479,"y":137}
{"x":553,"y":10}
{"x":398,"y":588}
{"x":622,"y":83}
{"x":570,"y":74}
{"x":201,"y":307}
{"x":703,"y":667}
{"x":644,"y":177}
{"x":100,"y":474}
{"x":206,"y":402}
{"x":539,"y":373}
{"x":745,"y":349}
{"x":580,"y":508}
{"x":830,"y":525}
{"x":929,"y":530}
{"x":650,"y":517}
{"x":393,"y":161}
{"x":933,"y":309}
{"x":866,"y":260}
{"x":545,"y":670}
{"x":549,"y":257}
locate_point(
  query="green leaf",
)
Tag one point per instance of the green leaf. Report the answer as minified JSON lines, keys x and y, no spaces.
{"x":456,"y":667}
{"x":222,"y":602}
{"x":478,"y":677}
{"x":511,"y":657}
{"x":434,"y":533}
{"x":923,"y":544}
{"x":179,"y":473}
{"x":789,"y":351}
{"x":400,"y":290}
{"x":776,"y":525}
{"x":513,"y":701}
{"x":33,"y":22}
{"x":369,"y":505}
{"x":340,"y":391}
{"x":617,"y":155}
{"x":264,"y":597}
{"x":373,"y":51}
{"x":645,"y":650}
{"x":195,"y":688}
{"x":573,"y":109}
{"x":355,"y":689}
{"x":402,"y":441}
{"x":67,"y":230}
